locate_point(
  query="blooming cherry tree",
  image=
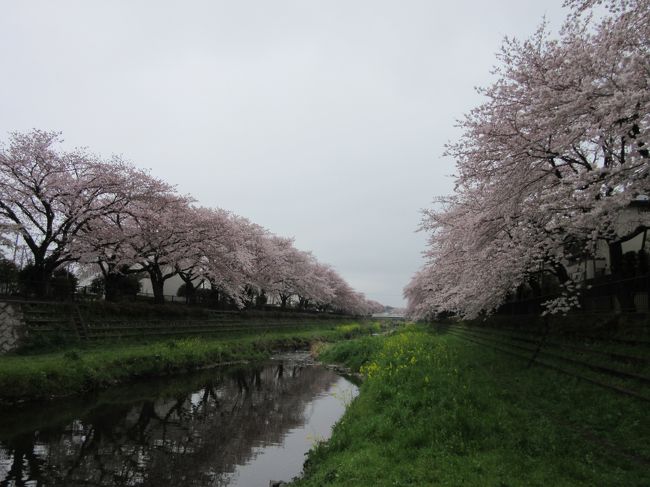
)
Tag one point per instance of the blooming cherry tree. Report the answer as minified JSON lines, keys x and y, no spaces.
{"x":50,"y":197}
{"x":546,"y":165}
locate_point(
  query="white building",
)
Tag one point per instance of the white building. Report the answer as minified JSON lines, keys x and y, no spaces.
{"x":636,"y":216}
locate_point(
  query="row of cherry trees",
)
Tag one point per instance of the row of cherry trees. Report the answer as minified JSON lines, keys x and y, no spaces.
{"x":547,"y":166}
{"x":73,"y":207}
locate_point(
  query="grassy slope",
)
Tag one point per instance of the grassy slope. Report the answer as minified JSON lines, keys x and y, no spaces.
{"x":435,"y":410}
{"x":77,"y":370}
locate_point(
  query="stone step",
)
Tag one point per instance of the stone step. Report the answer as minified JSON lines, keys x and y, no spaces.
{"x":10,"y":327}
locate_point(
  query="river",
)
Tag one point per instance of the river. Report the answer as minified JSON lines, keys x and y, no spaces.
{"x":236,"y":426}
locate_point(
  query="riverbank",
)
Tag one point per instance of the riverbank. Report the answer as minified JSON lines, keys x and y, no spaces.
{"x":77,"y":370}
{"x":435,"y":409}
{"x":239,"y":425}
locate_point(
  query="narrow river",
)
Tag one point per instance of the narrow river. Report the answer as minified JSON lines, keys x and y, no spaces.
{"x":240,"y":426}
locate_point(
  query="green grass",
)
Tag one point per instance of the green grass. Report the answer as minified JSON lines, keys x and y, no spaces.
{"x":84,"y":369}
{"x":436,"y":410}
{"x":354,"y":354}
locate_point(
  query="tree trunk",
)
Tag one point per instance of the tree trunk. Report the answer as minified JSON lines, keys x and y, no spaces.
{"x":190,"y":292}
{"x":40,"y":283}
{"x":533,"y":282}
{"x":190,"y":289}
{"x":36,"y":278}
{"x":261,"y":299}
{"x":623,"y":290}
{"x":158,"y":286}
{"x":560,"y":272}
{"x":111,"y":287}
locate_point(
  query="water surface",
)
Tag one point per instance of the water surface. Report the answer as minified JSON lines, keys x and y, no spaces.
{"x":240,"y":426}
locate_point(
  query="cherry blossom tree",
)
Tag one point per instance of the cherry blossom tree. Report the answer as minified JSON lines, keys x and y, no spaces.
{"x":344,"y":299}
{"x":108,"y":242}
{"x":546,"y":165}
{"x":160,"y":237}
{"x":315,"y":288}
{"x":296,"y":276}
{"x":151,"y":234}
{"x":50,"y":197}
{"x":278,"y":269}
{"x":74,"y":207}
{"x":216,"y":252}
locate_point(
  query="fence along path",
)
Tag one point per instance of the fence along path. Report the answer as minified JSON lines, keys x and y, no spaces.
{"x":596,"y":296}
{"x":592,"y":361}
{"x":584,"y":429}
{"x":66,"y":321}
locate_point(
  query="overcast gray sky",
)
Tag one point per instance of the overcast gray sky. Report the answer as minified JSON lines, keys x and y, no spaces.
{"x":321,"y":120}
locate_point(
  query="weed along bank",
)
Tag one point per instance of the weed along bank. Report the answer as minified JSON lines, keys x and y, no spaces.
{"x":63,"y":349}
{"x":437,"y":408}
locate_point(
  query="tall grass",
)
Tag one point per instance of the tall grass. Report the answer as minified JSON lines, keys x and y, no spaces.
{"x":75,"y":370}
{"x":435,"y":410}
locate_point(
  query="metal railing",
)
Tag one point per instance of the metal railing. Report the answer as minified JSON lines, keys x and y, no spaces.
{"x":56,"y":293}
{"x":65,"y":291}
{"x":601,"y":295}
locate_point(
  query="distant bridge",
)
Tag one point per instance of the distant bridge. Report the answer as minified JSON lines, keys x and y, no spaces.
{"x":389,"y":316}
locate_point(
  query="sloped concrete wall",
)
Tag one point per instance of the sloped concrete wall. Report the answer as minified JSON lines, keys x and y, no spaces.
{"x":12,"y":327}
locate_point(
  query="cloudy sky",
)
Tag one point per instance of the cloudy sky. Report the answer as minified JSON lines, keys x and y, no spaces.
{"x":322,"y":120}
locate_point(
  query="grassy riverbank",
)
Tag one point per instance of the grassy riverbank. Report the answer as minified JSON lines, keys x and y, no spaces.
{"x":76,"y":370}
{"x":437,"y":410}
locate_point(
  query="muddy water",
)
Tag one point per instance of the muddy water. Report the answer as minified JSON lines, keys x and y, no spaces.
{"x":238,"y":426}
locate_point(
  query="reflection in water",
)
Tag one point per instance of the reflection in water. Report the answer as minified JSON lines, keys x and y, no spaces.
{"x":234,"y":427}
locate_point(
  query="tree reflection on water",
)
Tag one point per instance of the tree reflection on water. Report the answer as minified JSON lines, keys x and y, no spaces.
{"x":186,"y":433}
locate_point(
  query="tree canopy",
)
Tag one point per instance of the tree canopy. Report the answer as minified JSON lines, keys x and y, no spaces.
{"x":73,"y":207}
{"x":546,"y":165}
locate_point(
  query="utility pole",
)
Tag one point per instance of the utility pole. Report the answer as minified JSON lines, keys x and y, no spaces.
{"x":15,"y":250}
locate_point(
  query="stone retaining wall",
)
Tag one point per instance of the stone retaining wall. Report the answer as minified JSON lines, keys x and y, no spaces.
{"x":12,"y":327}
